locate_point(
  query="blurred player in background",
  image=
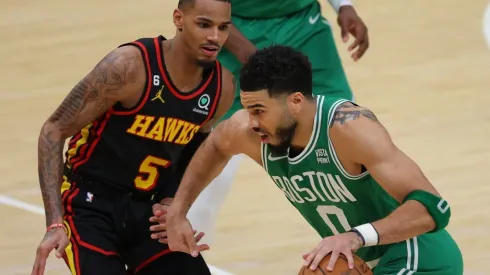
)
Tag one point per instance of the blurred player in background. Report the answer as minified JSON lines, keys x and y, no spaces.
{"x":135,"y":120}
{"x":297,"y":23}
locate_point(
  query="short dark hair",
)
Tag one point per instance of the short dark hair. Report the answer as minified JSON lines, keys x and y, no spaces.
{"x":183,"y":3}
{"x":279,"y":69}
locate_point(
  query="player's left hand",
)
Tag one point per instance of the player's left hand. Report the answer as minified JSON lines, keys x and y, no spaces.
{"x":350,"y":22}
{"x":344,"y":243}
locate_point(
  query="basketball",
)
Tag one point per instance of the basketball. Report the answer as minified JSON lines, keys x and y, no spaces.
{"x":341,"y":267}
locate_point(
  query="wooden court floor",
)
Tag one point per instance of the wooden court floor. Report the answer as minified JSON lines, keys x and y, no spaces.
{"x":426,"y":76}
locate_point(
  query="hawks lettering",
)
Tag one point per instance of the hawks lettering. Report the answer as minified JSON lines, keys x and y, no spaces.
{"x":163,"y":129}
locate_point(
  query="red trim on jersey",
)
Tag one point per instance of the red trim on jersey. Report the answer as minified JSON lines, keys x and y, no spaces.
{"x":74,"y":139}
{"x":149,"y":83}
{"x":152,"y":259}
{"x":103,"y":123}
{"x":217,"y":96}
{"x":167,"y":81}
{"x":80,"y":154}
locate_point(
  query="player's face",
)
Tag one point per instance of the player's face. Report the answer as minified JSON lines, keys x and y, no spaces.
{"x":270,"y":118}
{"x":204,"y":29}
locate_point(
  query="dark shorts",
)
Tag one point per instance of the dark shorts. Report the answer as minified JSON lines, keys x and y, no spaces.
{"x":110,"y":235}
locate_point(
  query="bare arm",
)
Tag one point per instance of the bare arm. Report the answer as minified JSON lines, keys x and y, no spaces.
{"x":239,"y":45}
{"x":230,"y":137}
{"x":113,"y":79}
{"x":360,"y":139}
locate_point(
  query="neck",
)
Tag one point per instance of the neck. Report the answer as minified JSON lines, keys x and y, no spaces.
{"x":184,"y":71}
{"x":304,"y":128}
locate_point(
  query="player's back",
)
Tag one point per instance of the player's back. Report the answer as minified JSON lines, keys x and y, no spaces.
{"x":315,"y":182}
{"x":136,"y":148}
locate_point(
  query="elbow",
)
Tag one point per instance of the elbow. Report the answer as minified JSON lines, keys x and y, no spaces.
{"x":51,"y":132}
{"x":437,"y":209}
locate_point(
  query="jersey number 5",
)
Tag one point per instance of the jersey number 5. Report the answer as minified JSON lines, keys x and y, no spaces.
{"x":148,"y":173}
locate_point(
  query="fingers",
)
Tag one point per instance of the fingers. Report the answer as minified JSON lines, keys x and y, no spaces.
{"x":333,"y":260}
{"x":199,"y":236}
{"x":191,"y":244}
{"x":344,"y":29}
{"x":60,"y":250}
{"x":159,"y":235}
{"x":159,"y":217}
{"x":361,"y":42}
{"x":319,"y":257}
{"x":350,"y":259}
{"x":40,"y":262}
{"x":158,"y":227}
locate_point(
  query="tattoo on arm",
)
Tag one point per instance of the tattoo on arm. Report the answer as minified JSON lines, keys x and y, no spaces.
{"x":85,"y":103}
{"x":347,"y":111}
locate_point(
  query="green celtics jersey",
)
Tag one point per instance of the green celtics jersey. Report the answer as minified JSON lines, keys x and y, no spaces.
{"x":267,"y":9}
{"x":329,"y":198}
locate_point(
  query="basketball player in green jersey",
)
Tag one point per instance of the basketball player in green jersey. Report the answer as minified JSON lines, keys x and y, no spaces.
{"x":297,"y":23}
{"x":335,"y":163}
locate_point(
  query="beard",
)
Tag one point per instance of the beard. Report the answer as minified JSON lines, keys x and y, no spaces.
{"x":285,"y":135}
{"x":206,"y":64}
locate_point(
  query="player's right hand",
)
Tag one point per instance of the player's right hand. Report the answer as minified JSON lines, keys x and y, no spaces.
{"x":55,"y":238}
{"x":181,"y":237}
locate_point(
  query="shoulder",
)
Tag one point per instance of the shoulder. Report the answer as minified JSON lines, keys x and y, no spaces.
{"x":119,"y":72}
{"x":348,"y":114}
{"x":355,"y":130}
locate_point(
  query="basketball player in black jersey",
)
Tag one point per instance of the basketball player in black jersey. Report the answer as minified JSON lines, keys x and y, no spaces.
{"x":135,"y":121}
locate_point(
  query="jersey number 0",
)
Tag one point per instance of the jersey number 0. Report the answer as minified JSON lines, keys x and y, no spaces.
{"x":148,"y":172}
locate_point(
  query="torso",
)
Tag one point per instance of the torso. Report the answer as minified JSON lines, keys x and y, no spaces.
{"x":136,"y":148}
{"x":315,"y":182}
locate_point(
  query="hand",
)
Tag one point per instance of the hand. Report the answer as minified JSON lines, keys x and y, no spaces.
{"x":55,"y":238}
{"x":350,"y":22}
{"x":181,"y":236}
{"x":160,"y":217}
{"x":344,"y":243}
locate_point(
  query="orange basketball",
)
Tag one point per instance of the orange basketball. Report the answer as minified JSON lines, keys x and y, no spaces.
{"x":341,"y":267}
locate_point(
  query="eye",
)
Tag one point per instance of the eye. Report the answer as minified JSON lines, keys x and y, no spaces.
{"x":257,"y":112}
{"x":203,"y":25}
{"x":223,"y":27}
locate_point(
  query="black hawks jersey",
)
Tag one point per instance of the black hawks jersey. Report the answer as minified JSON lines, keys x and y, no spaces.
{"x":136,"y":148}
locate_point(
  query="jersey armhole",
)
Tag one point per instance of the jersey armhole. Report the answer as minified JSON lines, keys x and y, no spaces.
{"x":118,"y":108}
{"x":331,"y":148}
{"x":219,"y":92}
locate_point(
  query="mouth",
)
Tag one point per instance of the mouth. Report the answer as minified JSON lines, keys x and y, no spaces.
{"x":264,"y":138}
{"x":210,"y":50}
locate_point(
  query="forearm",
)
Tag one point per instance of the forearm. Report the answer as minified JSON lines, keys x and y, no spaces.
{"x":206,"y":165}
{"x":407,"y":221}
{"x":50,"y":160}
{"x":239,"y":45}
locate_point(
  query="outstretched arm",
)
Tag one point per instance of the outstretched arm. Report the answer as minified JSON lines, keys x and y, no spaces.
{"x":230,"y":137}
{"x":359,"y":138}
{"x":112,"y":80}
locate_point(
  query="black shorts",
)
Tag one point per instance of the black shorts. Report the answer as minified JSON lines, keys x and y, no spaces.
{"x":110,"y":235}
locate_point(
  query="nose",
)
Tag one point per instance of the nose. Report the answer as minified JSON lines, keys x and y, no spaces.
{"x":213,"y":35}
{"x":253,"y":121}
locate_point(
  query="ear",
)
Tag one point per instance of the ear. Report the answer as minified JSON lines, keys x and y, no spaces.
{"x":295,"y":102}
{"x":178,"y":19}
